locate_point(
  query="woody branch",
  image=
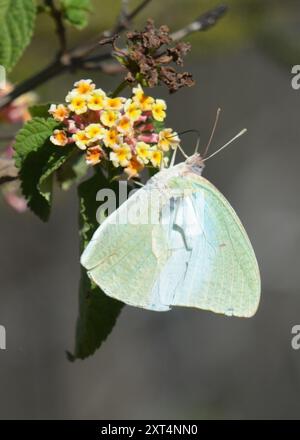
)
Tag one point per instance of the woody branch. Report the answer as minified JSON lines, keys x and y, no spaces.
{"x":80,"y":56}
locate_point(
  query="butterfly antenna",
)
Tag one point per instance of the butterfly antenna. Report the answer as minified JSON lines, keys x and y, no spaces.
{"x":212,"y":134}
{"x":197,"y":145}
{"x":227,"y":143}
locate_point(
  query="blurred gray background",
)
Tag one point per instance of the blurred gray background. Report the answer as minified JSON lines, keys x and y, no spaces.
{"x":185,"y":364}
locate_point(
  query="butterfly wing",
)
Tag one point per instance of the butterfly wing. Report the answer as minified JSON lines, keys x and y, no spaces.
{"x":191,"y":250}
{"x":122,"y":258}
{"x":215,"y":265}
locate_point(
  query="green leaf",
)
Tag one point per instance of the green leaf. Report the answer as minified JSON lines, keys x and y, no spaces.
{"x":120,"y":59}
{"x":37,"y":158}
{"x":76,"y":12}
{"x":72,"y":171}
{"x":158,"y":125}
{"x":17,"y":18}
{"x":40,"y":110}
{"x":97,"y":312}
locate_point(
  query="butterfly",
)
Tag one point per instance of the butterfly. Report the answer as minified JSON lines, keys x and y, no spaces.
{"x":176,"y":242}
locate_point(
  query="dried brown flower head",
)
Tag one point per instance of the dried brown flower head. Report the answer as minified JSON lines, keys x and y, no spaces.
{"x":148,"y":56}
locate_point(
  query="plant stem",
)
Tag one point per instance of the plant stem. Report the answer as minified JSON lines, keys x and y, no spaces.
{"x":119,"y":89}
{"x":59,"y":23}
{"x":77,"y":57}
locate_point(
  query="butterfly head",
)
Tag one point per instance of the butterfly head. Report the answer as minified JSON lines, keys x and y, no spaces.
{"x":195,"y":163}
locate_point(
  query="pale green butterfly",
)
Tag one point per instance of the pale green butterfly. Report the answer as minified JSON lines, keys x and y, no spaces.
{"x":192,"y":251}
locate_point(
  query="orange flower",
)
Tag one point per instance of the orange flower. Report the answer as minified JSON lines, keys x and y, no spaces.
{"x":59,"y":112}
{"x":124,"y":124}
{"x":84,"y":87}
{"x":111,"y":138}
{"x":93,"y":155}
{"x":133,"y":168}
{"x":59,"y":137}
{"x":114,"y":103}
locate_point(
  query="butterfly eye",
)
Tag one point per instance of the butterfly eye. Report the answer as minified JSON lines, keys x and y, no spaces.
{"x":195,"y":163}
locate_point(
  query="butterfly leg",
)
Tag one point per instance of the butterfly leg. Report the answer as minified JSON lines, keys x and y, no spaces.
{"x":173,"y":158}
{"x":138,"y":183}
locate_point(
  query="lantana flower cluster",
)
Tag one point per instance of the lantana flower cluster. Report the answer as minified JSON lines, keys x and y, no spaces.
{"x":115,"y":129}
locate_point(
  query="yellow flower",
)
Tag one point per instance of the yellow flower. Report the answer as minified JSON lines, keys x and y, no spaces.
{"x":132,"y":110}
{"x":93,"y":155}
{"x":121,"y":155}
{"x":159,"y":110}
{"x":114,"y":103}
{"x":156,"y":158}
{"x":97,"y":100}
{"x":77,"y":104}
{"x":81,"y":139}
{"x":59,"y":112}
{"x":124,"y":124}
{"x":59,"y":137}
{"x":143,"y":152}
{"x":94,"y":131}
{"x":133,"y":168}
{"x":109,"y":118}
{"x":167,"y":138}
{"x":143,"y":101}
{"x":111,"y":138}
{"x":84,"y":87}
